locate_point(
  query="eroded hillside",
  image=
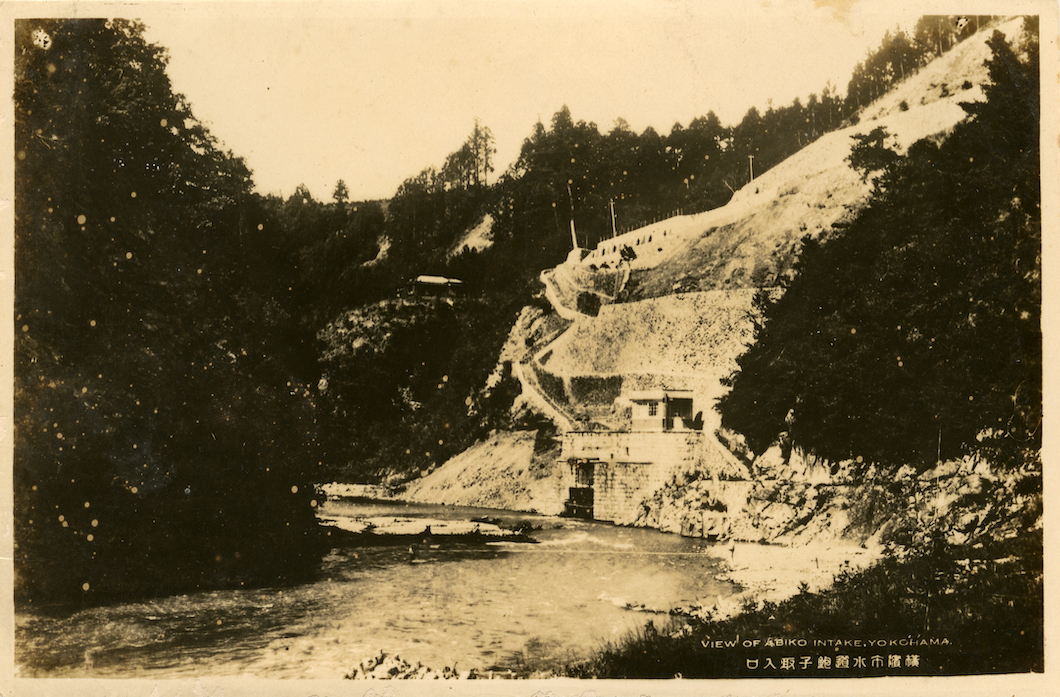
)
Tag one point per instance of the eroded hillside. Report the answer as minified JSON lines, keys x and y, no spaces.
{"x":684,"y":314}
{"x":754,"y":239}
{"x":678,"y":312}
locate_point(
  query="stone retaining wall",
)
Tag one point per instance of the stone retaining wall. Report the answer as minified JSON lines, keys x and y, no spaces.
{"x":629,"y":467}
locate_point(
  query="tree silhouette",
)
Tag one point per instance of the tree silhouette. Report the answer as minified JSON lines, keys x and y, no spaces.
{"x":155,"y":411}
{"x":341,"y":193}
{"x":915,"y":333}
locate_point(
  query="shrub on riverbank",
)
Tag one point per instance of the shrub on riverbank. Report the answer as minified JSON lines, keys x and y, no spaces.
{"x":960,"y":609}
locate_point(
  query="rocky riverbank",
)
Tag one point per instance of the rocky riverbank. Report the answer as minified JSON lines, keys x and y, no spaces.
{"x":774,"y":573}
{"x":393,"y":667}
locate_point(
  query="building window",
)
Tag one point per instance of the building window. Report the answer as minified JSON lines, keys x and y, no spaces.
{"x":653,"y":409}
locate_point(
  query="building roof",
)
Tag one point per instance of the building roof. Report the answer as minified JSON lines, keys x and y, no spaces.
{"x":439,"y":281}
{"x":658,"y":395}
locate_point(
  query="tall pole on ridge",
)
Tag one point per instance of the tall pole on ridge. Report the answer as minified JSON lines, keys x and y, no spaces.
{"x":573,"y":236}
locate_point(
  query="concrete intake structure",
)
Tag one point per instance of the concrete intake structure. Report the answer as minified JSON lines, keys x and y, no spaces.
{"x":609,"y":474}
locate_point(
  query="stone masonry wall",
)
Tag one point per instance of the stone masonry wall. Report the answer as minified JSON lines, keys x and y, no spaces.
{"x":633,"y":446}
{"x":619,"y":488}
{"x":629,"y":466}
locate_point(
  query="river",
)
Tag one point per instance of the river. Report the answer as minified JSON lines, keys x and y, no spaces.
{"x":501,"y":606}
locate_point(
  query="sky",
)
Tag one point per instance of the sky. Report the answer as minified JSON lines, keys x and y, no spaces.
{"x":374,"y":92}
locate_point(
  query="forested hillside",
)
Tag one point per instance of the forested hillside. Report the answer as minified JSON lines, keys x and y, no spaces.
{"x":913,"y":335}
{"x":567,"y":170}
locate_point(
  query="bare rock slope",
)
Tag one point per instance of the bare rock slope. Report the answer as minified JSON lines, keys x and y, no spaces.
{"x":500,"y":472}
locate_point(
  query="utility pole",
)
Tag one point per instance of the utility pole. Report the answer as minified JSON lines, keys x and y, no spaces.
{"x":573,"y":236}
{"x":614,"y":232}
{"x":751,"y":165}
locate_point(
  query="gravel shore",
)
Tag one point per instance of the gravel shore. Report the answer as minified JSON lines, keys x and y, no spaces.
{"x":776,"y":572}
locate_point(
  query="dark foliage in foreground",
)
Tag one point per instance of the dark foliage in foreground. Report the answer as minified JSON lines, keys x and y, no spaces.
{"x":987,"y":602}
{"x":161,"y":441}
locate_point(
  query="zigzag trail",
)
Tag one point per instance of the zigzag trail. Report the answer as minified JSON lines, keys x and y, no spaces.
{"x":691,"y":287}
{"x":690,"y":340}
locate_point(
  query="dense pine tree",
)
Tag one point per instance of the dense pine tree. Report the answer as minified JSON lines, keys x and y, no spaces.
{"x":915,"y":333}
{"x":161,"y":441}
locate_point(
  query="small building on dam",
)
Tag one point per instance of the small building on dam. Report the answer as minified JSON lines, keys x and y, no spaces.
{"x":607,"y":475}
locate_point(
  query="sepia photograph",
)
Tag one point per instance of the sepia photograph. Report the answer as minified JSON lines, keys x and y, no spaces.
{"x":529,"y":342}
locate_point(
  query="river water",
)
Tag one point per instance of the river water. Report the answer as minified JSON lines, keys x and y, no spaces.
{"x":501,"y":606}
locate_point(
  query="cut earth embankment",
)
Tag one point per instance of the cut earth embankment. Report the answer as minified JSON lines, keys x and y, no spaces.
{"x":507,"y":470}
